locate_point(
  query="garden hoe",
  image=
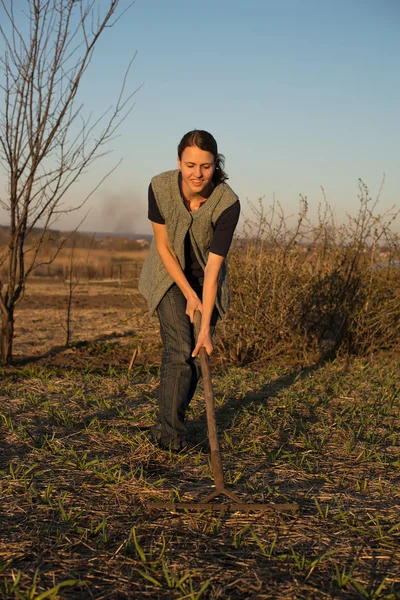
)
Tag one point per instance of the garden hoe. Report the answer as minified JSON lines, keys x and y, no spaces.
{"x":234,"y":503}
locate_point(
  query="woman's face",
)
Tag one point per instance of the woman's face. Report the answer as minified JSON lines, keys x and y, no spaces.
{"x":197,"y":168}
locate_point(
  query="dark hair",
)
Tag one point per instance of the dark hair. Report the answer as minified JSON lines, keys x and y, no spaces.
{"x":205,"y":141}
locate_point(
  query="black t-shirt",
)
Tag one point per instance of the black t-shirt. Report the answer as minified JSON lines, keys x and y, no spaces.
{"x":220,"y":243}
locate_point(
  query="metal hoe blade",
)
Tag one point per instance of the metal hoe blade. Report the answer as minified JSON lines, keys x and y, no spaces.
{"x":235,"y":504}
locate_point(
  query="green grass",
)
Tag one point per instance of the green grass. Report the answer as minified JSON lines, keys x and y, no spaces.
{"x":77,"y":470}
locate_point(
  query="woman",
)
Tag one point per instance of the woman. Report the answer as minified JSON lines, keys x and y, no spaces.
{"x":194,"y":214}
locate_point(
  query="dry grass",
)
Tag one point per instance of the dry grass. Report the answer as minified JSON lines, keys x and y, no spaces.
{"x":77,"y":469}
{"x":94,"y":263}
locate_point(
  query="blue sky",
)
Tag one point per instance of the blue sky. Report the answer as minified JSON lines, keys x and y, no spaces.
{"x":299,"y":95}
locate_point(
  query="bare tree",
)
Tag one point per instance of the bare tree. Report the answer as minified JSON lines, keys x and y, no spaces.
{"x":71,"y":280}
{"x":46,"y":143}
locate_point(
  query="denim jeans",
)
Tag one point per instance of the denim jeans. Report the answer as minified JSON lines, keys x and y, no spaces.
{"x":179,"y":371}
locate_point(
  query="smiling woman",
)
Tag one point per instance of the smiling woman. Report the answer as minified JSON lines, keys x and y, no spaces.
{"x":196,"y":175}
{"x":194,"y":213}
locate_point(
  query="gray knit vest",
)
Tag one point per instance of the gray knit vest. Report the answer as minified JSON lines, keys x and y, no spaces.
{"x":154,"y":279}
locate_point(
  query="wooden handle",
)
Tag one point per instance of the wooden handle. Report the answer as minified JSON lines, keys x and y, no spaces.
{"x":197,"y":324}
{"x":216,"y":461}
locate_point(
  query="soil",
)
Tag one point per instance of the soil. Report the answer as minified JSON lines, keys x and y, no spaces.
{"x":109,"y":320}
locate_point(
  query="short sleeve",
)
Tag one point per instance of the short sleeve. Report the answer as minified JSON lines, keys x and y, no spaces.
{"x":224,"y":230}
{"x":153,"y":211}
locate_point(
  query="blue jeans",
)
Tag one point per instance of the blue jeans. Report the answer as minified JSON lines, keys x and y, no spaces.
{"x":179,"y":371}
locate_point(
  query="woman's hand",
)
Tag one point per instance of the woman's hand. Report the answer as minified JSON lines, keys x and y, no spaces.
{"x":193,"y":303}
{"x":203,"y":341}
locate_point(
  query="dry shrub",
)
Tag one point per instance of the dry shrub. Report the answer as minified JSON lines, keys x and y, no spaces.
{"x":304,"y":291}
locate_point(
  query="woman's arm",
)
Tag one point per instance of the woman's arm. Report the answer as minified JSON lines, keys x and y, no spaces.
{"x":219,"y":248}
{"x":211,"y":272}
{"x":173,"y":267}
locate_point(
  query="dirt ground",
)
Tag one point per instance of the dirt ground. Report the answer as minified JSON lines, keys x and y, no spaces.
{"x":78,"y":470}
{"x":102,"y":311}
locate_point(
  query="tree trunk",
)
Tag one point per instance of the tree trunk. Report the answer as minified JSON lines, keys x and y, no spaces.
{"x":68,"y":317}
{"x":6,"y":336}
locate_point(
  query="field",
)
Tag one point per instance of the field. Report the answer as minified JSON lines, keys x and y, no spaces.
{"x":77,"y":467}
